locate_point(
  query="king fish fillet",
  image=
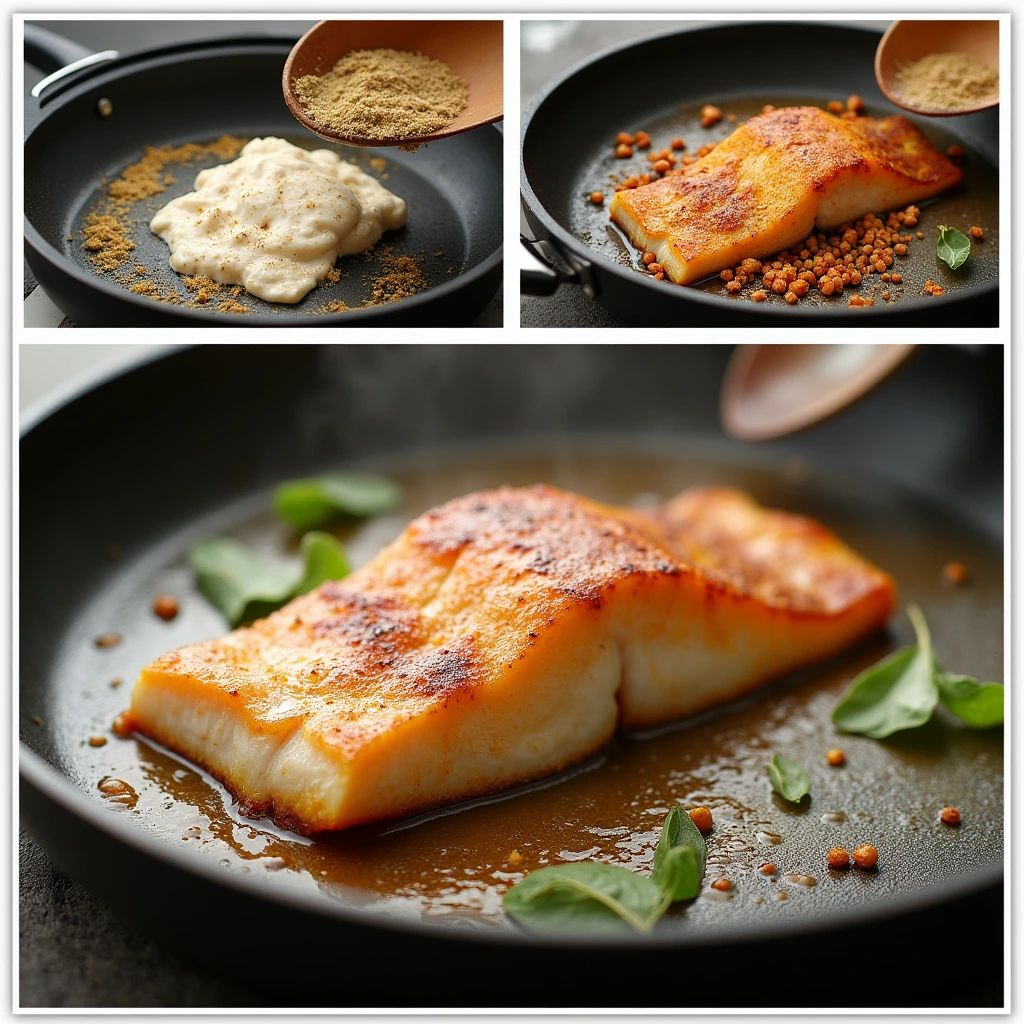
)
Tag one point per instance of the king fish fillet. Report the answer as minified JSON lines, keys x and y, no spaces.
{"x":502,"y":637}
{"x":774,"y":180}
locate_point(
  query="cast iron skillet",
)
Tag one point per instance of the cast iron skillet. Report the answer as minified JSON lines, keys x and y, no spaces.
{"x":129,"y":461}
{"x":660,"y":84}
{"x":196,"y":93}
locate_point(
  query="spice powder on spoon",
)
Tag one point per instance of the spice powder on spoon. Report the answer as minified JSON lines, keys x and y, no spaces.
{"x":384,"y":94}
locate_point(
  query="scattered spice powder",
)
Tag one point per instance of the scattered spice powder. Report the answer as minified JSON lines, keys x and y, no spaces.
{"x":108,"y":227}
{"x":384,"y":94}
{"x":946,"y":81}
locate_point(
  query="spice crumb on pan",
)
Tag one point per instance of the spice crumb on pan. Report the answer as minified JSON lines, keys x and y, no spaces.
{"x":701,"y":817}
{"x":950,"y":816}
{"x":955,"y":573}
{"x":97,"y":741}
{"x":838,"y":857}
{"x":384,"y":94}
{"x":865,"y":856}
{"x":836,"y":757}
{"x":107,"y":640}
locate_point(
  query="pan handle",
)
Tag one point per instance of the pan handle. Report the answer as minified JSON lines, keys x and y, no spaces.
{"x":544,"y":267}
{"x":61,"y":57}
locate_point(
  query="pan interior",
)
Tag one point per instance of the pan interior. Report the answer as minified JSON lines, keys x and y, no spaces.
{"x":740,"y":69}
{"x":454,"y":214}
{"x":451,"y":868}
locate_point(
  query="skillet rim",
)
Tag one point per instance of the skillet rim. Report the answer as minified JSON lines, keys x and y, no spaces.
{"x":57,"y":788}
{"x":537,"y":209}
{"x":125,"y":67}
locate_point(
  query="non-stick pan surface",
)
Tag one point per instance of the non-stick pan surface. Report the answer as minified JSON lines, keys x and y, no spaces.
{"x":197,"y":93}
{"x":567,"y":153}
{"x":148,"y":476}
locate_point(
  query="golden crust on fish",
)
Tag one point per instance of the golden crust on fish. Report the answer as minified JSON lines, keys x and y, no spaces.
{"x":774,"y":180}
{"x":502,"y":637}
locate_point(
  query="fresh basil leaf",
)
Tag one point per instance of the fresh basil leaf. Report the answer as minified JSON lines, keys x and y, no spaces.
{"x":233,"y":577}
{"x":980,"y":705}
{"x":679,"y":857}
{"x":244,"y":586}
{"x":953,"y":247}
{"x":897,"y":693}
{"x":587,"y":896}
{"x":313,"y":501}
{"x":323,"y":558}
{"x":789,"y":780}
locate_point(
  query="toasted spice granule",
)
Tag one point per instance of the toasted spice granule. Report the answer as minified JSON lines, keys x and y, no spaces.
{"x":231,"y":306}
{"x":701,"y":817}
{"x":946,"y":81}
{"x":955,"y":573}
{"x":384,"y":94}
{"x":950,"y":816}
{"x":143,"y":288}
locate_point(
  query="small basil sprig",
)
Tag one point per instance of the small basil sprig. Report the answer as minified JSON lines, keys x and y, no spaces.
{"x":313,"y":501}
{"x":590,"y":895}
{"x":679,"y":857}
{"x":953,"y":247}
{"x":788,"y":779}
{"x":244,"y":586}
{"x":901,"y":692}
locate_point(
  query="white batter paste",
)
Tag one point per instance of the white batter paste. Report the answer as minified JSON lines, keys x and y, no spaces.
{"x":275,"y":219}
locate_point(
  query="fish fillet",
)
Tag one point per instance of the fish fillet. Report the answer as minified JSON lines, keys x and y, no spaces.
{"x":774,"y":180}
{"x":501,"y":637}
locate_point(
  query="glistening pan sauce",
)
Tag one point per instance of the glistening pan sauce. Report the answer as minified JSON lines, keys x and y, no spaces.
{"x":451,"y":867}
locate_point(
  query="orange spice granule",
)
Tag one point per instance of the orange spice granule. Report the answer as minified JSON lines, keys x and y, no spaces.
{"x":701,"y":817}
{"x":828,"y":262}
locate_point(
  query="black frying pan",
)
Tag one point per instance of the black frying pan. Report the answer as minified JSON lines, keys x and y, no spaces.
{"x":119,"y":464}
{"x":660,"y":84}
{"x":196,"y":93}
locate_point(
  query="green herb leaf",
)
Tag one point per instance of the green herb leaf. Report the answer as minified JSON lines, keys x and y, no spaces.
{"x":679,"y":857}
{"x":244,"y":586}
{"x":313,"y":501}
{"x":953,"y":247}
{"x":323,"y":558}
{"x":789,"y":780}
{"x":980,"y":705}
{"x":897,"y":693}
{"x":587,"y":896}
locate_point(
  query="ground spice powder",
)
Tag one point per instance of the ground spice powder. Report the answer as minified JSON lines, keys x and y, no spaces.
{"x":946,"y":81}
{"x":108,"y":227}
{"x":384,"y":94}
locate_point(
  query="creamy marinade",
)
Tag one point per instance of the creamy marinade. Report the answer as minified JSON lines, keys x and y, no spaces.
{"x":275,"y":219}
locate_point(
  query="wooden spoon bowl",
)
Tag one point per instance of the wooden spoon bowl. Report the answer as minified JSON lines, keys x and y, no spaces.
{"x":773,"y":390}
{"x":907,"y":41}
{"x":472,"y":49}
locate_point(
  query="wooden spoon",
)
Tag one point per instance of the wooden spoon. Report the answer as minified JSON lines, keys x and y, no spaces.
{"x":907,"y":41}
{"x":772,"y":390}
{"x":472,"y":49}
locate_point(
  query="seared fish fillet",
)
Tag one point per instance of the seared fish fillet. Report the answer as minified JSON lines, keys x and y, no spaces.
{"x":502,"y":637}
{"x":772,"y":182}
